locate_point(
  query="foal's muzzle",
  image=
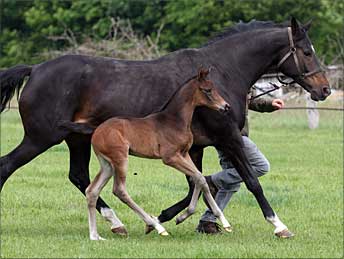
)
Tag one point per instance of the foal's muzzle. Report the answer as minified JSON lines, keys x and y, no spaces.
{"x":225,"y":108}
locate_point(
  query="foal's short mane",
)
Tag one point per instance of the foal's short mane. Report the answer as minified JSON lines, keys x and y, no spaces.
{"x":175,"y":92}
{"x":243,"y":27}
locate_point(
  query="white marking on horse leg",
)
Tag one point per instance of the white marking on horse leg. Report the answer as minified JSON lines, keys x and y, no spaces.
{"x":92,"y":194}
{"x":161,"y":230}
{"x":110,"y":216}
{"x":92,"y":224}
{"x":278,"y":224}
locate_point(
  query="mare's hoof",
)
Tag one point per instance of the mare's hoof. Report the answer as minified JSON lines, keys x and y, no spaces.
{"x":285,"y":234}
{"x":164,"y":233}
{"x":121,"y":231}
{"x":228,"y":229}
{"x":148,"y":229}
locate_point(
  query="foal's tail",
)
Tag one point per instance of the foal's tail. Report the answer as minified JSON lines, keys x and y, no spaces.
{"x":75,"y":127}
{"x":11,"y":80}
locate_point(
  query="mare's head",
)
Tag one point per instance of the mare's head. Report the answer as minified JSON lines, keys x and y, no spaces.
{"x":299,"y":61}
{"x":206,"y":93}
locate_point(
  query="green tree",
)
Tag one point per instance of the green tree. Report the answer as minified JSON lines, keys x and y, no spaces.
{"x":29,"y":28}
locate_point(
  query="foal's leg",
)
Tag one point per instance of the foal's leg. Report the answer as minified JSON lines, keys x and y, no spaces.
{"x":92,"y":194}
{"x":80,"y":152}
{"x":196,"y":154}
{"x":185,"y":165}
{"x":120,"y":191}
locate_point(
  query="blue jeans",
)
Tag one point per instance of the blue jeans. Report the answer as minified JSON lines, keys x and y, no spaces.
{"x":228,"y":180}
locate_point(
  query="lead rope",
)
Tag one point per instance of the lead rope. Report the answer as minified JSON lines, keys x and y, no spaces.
{"x":275,"y":87}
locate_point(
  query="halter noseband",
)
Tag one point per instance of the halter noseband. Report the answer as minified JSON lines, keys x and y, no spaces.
{"x":292,"y":51}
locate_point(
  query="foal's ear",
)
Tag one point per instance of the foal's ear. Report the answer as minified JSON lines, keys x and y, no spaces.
{"x":202,"y":74}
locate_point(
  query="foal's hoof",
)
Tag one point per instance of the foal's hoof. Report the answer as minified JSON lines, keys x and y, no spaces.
{"x":228,"y":229}
{"x":121,"y":231}
{"x":96,"y":238}
{"x":148,"y":229}
{"x":164,"y":233}
{"x":285,"y":234}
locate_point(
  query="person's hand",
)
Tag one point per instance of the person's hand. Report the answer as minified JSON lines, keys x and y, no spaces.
{"x":277,"y":104}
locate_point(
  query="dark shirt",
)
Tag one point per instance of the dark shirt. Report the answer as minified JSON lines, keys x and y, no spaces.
{"x":258,"y":105}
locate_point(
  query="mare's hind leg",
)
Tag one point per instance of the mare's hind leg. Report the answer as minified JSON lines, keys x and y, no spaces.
{"x":27,"y":150}
{"x":196,"y":154}
{"x":119,"y":189}
{"x":80,"y":152}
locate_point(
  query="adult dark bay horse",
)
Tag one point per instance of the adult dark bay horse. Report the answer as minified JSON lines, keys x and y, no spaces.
{"x":93,"y":89}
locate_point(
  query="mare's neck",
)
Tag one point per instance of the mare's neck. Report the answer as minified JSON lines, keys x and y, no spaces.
{"x":181,"y":107}
{"x":246,"y":56}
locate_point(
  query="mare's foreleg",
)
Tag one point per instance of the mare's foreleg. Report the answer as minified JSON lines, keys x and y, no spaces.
{"x":196,"y":154}
{"x":80,"y":153}
{"x":238,"y":157}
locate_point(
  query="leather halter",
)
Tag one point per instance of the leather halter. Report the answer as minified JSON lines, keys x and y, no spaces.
{"x":292,"y":52}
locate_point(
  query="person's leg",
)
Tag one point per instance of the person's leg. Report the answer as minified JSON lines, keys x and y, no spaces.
{"x":228,"y":177}
{"x":228,"y":180}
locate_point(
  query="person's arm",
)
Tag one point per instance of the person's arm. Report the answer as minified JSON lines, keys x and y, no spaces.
{"x":265,"y":104}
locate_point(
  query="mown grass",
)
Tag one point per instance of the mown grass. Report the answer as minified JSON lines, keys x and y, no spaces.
{"x":43,"y":215}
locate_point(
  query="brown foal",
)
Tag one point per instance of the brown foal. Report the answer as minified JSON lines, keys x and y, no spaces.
{"x":163,"y":135}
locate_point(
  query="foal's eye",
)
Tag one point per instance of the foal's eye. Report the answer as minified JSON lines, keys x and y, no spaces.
{"x":206,"y":91}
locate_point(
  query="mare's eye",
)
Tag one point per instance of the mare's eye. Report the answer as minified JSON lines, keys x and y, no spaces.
{"x":307,"y":53}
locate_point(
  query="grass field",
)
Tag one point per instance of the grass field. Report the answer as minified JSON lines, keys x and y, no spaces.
{"x":43,"y":215}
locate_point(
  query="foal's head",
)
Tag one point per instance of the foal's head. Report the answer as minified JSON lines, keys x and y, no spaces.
{"x":206,"y":93}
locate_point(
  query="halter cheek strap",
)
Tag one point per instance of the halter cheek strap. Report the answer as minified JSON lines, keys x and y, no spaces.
{"x":292,"y":52}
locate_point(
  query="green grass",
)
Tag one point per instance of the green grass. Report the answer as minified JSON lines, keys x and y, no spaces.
{"x":43,"y":215}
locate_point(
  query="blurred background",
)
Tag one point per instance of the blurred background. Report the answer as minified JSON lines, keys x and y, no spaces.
{"x":33,"y":31}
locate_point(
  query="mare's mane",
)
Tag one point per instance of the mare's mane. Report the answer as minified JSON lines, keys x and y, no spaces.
{"x":227,"y":32}
{"x":243,"y":27}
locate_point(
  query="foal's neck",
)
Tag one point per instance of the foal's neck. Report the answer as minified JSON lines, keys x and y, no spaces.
{"x":181,"y":107}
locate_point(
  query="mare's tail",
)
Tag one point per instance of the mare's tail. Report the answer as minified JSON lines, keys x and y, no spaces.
{"x":11,"y":80}
{"x":82,"y":128}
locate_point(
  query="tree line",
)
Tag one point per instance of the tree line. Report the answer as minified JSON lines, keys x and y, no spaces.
{"x":30,"y":28}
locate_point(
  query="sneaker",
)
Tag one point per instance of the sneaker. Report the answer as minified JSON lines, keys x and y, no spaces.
{"x":208,"y":227}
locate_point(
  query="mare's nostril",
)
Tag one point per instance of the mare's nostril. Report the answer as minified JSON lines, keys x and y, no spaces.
{"x":227,"y":107}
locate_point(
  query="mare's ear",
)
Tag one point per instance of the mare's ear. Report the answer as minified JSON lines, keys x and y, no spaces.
{"x":202,"y":74}
{"x":307,"y":25}
{"x":295,"y":26}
